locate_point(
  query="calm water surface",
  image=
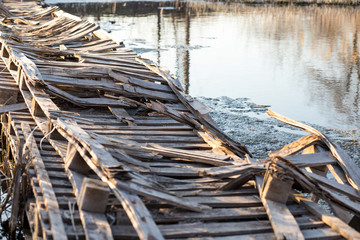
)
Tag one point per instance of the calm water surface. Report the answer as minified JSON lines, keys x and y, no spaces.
{"x":301,"y":60}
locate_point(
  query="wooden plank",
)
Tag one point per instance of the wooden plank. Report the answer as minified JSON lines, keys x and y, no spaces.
{"x":208,"y":158}
{"x":282,"y":221}
{"x":15,"y":201}
{"x":231,"y":170}
{"x":222,"y":214}
{"x":295,"y":146}
{"x":226,"y":201}
{"x":238,"y":181}
{"x":174,"y":172}
{"x":149,"y":131}
{"x":139,"y":82}
{"x":311,"y":160}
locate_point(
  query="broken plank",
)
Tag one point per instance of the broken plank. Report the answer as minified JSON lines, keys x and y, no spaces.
{"x":351,"y":170}
{"x":295,"y":146}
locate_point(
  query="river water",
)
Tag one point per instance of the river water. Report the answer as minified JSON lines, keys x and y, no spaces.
{"x":303,"y":61}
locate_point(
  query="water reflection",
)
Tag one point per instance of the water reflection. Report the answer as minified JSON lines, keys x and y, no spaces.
{"x":302,"y":60}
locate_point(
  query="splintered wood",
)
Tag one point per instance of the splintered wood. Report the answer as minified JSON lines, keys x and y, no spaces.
{"x":103,"y":144}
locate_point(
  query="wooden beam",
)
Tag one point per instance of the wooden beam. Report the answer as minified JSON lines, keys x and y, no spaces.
{"x":276,"y":186}
{"x":94,"y":195}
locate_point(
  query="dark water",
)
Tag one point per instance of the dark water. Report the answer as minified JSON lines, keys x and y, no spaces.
{"x":301,"y":60}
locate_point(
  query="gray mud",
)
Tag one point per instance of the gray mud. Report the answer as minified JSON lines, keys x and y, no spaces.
{"x":248,"y":124}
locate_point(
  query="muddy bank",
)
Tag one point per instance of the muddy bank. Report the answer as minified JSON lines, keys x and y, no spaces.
{"x":247,"y":123}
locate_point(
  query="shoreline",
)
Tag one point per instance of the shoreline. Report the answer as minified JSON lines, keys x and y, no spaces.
{"x":250,"y":2}
{"x":247,"y":123}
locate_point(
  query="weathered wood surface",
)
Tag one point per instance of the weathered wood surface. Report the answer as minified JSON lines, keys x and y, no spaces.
{"x":346,"y":163}
{"x":108,"y":115}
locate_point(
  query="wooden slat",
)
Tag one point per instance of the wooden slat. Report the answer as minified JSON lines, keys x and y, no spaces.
{"x":220,"y":214}
{"x":226,"y":201}
{"x":13,"y":108}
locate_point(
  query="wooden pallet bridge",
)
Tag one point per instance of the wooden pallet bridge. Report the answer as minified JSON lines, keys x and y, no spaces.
{"x":99,"y":143}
